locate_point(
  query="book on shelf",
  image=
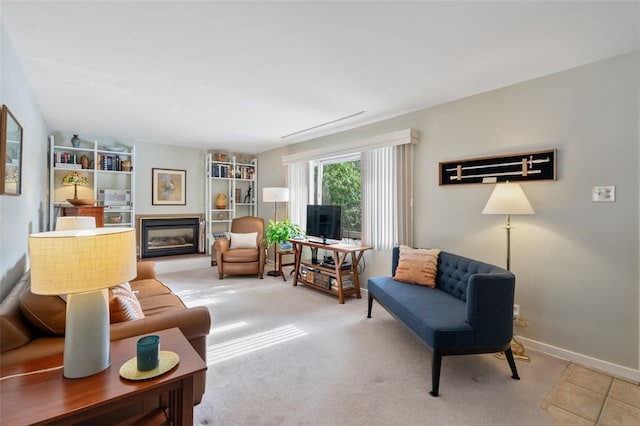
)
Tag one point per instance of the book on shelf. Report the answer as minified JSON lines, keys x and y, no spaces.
{"x":347,"y":283}
{"x":68,"y":166}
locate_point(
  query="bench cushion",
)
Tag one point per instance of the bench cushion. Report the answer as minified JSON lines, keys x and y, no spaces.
{"x":435,"y":316}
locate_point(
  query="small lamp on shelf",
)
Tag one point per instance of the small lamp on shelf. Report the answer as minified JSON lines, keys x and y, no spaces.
{"x":75,"y":179}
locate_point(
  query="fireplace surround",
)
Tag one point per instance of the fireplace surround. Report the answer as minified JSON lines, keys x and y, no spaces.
{"x":169,"y":235}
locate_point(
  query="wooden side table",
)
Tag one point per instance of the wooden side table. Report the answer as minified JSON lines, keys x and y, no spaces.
{"x":281,"y":253}
{"x":39,"y":394}
{"x":95,"y":211}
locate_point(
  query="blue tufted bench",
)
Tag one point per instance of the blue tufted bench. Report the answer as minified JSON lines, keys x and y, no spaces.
{"x":470,"y":311}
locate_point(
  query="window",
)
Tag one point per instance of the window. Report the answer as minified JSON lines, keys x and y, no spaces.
{"x":337,"y":181}
{"x":377,"y":202}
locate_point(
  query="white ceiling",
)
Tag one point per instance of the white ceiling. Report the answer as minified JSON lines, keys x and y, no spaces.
{"x":241,"y":75}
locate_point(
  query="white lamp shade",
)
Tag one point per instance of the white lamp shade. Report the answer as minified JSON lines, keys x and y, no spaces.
{"x":278,"y":195}
{"x":64,"y":223}
{"x":508,"y":198}
{"x":74,"y":261}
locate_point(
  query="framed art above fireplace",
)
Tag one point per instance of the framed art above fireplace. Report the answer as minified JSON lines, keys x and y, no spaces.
{"x":169,"y":187}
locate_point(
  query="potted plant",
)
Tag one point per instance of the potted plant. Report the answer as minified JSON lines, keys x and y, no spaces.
{"x":280,"y":232}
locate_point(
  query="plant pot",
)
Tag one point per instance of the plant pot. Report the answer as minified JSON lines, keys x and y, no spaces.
{"x":286,"y":246}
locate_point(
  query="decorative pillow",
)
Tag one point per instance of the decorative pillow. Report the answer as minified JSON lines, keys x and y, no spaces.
{"x":417,"y":266}
{"x":123,"y":304}
{"x":48,"y":313}
{"x":240,"y":241}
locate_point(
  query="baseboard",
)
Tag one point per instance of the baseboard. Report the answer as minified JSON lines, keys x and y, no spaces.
{"x":587,"y":361}
{"x":597,"y":364}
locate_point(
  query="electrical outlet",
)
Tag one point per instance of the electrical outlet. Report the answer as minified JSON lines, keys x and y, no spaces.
{"x":516,"y":312}
{"x":602,"y":194}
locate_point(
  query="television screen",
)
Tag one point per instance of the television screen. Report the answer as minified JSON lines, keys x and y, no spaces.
{"x":324,"y":221}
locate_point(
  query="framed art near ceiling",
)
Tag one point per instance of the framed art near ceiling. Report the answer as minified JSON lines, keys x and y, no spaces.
{"x":524,"y":166}
{"x":10,"y":153}
{"x":169,"y":187}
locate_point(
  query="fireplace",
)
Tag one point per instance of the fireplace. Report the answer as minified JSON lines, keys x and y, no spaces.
{"x":169,"y":236}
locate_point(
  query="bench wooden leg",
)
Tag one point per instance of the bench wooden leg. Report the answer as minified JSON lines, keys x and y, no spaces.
{"x":512,"y":364}
{"x":436,"y":363}
{"x":370,"y":306}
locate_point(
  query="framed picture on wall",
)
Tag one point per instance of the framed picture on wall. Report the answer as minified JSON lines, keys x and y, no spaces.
{"x":169,"y":187}
{"x":10,"y":153}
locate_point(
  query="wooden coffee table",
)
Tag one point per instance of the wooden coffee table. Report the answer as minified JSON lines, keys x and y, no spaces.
{"x":50,"y":398}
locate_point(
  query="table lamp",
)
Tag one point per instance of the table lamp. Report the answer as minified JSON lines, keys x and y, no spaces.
{"x":83,"y":263}
{"x":508,"y":198}
{"x":275,"y":195}
{"x":65,"y":223}
{"x":75,"y":179}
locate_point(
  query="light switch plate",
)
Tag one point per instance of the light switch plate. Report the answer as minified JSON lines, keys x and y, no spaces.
{"x":604,"y":194}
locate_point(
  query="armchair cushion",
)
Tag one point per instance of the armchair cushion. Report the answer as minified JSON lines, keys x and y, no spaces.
{"x":241,"y":255}
{"x":249,"y":259}
{"x":247,"y":240}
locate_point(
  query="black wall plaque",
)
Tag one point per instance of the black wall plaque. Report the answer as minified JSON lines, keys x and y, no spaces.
{"x":536,"y":165}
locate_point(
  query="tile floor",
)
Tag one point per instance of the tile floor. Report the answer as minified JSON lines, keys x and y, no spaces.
{"x":587,"y":397}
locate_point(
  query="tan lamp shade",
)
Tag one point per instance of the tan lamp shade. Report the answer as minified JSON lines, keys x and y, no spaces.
{"x":508,"y":198}
{"x":277,"y":195}
{"x":74,"y":261}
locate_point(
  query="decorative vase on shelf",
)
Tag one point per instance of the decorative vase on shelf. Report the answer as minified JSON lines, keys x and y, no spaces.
{"x":75,"y":141}
{"x":221,"y":201}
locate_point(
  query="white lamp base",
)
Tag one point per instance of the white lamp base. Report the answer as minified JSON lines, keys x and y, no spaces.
{"x":87,"y":339}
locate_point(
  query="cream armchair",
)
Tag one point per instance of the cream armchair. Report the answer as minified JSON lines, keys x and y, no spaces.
{"x":241,"y":254}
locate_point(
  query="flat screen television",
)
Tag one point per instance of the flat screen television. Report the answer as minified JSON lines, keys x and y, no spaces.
{"x":324,"y":221}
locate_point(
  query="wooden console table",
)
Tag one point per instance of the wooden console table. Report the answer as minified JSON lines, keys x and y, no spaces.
{"x":46,"y":397}
{"x":95,"y":211}
{"x":341,"y":253}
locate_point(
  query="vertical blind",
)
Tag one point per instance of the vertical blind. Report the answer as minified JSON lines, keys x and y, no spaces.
{"x":387,"y":187}
{"x":298,"y":182}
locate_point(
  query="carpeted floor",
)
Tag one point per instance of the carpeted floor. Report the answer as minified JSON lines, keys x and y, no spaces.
{"x":283,"y":355}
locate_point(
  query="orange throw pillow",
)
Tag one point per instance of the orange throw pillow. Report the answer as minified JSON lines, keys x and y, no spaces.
{"x":123,"y":304}
{"x":417,"y":266}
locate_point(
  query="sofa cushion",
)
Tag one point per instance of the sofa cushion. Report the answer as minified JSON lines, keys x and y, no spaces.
{"x":148,"y":287}
{"x":158,"y":304}
{"x":14,"y":330}
{"x":47,"y":313}
{"x":454,"y":272}
{"x":435,"y":316}
{"x":417,"y":266}
{"x":247,"y":240}
{"x":123,"y":304}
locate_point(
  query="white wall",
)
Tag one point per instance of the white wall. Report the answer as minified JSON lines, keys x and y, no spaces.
{"x":24,"y":214}
{"x":150,"y":156}
{"x":576,"y":261}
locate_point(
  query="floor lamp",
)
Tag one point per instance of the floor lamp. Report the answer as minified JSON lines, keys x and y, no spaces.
{"x":275,"y":195}
{"x":507,"y":199}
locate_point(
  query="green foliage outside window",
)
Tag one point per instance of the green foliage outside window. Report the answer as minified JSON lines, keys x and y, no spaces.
{"x":342,"y":185}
